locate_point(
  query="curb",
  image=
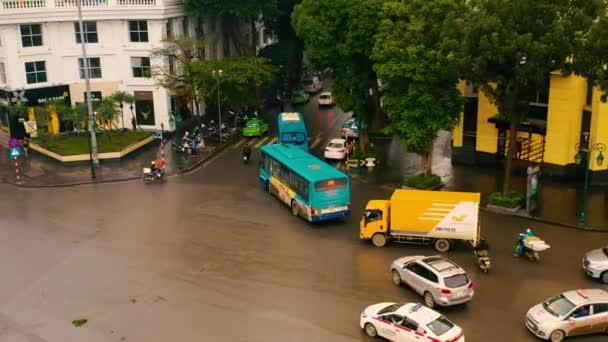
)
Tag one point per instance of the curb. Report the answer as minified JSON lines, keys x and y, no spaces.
{"x":127,"y":179}
{"x":547,"y":221}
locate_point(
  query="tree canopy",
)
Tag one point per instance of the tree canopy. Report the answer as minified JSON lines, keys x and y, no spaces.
{"x":339,"y":35}
{"x":415,"y":58}
{"x":511,"y":47}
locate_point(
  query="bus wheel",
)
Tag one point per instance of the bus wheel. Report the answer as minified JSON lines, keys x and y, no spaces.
{"x":379,"y":240}
{"x":442,"y":245}
{"x":294,"y":208}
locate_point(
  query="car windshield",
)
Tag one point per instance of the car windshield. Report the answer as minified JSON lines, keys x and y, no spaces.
{"x":440,"y":326}
{"x":335,"y":145}
{"x":390,"y":308}
{"x":456,"y":281}
{"x":558,"y":305}
{"x":297,"y":138}
{"x":605,"y":250}
{"x":325,"y":97}
{"x":252,"y":124}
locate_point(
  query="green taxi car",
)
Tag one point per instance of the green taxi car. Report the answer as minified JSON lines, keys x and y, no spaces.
{"x":299,"y":97}
{"x":255,"y":128}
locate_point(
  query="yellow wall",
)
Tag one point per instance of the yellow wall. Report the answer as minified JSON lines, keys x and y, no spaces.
{"x":77,"y":90}
{"x":487,"y":134}
{"x":457,"y":132}
{"x":599,"y":128}
{"x":566,"y":102}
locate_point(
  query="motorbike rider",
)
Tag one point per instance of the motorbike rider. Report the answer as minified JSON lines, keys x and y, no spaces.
{"x":155,"y":171}
{"x":519,"y":249}
{"x":482,"y":248}
{"x":247,"y":152}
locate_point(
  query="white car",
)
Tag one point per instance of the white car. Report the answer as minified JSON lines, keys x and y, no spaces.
{"x":595,"y":264}
{"x":571,"y":313}
{"x":409,"y":322}
{"x":325,"y":99}
{"x":336,"y":149}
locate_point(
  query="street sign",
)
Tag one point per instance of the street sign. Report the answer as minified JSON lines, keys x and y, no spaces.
{"x":13,"y":142}
{"x":14,"y":152}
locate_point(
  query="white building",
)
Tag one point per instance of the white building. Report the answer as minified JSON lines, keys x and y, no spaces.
{"x":40,"y":51}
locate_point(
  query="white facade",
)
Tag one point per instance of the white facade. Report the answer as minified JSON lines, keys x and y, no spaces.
{"x":114,"y":48}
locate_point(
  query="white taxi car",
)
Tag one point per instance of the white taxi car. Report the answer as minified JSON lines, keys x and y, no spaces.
{"x":335,"y":149}
{"x":571,"y":313}
{"x":408,"y":322}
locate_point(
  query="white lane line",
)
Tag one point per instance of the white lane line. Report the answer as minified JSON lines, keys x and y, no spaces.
{"x":239,"y":143}
{"x":260,"y":143}
{"x":274,"y":140}
{"x":316,"y":142}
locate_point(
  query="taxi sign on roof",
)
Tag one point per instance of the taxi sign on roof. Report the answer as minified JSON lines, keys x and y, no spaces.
{"x":290,"y":117}
{"x":582,"y":293}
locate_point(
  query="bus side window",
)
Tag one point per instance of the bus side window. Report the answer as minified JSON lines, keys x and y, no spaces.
{"x":276,"y":169}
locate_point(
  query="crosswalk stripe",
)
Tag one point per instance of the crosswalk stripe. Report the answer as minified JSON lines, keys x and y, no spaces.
{"x":274,"y":140}
{"x":315,"y":142}
{"x":261,"y":142}
{"x":239,"y":143}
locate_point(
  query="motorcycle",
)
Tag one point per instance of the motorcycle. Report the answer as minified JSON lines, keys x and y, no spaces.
{"x":246,"y":154}
{"x":483,"y":260}
{"x":150,"y":177}
{"x":530,"y":247}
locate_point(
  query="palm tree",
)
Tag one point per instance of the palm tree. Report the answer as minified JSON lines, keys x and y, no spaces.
{"x":107,"y":112}
{"x":122,"y":97}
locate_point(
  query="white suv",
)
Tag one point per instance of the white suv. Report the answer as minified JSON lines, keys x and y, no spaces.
{"x":439,"y":280}
{"x":595,"y":264}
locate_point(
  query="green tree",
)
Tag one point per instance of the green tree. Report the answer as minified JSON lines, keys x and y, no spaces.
{"x":339,"y":35}
{"x":511,"y":47}
{"x":107,"y":113}
{"x":71,"y":115}
{"x":414,"y":57}
{"x":174,"y":69}
{"x":239,"y":79}
{"x":234,"y":14}
{"x":122,"y":97}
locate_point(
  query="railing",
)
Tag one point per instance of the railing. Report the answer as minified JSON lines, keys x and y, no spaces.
{"x":18,"y":4}
{"x":13,"y":5}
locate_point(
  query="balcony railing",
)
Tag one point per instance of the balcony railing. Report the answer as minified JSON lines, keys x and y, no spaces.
{"x":10,"y":5}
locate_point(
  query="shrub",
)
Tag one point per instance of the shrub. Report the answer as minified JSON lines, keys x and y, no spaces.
{"x":513,"y":200}
{"x":420,"y":181}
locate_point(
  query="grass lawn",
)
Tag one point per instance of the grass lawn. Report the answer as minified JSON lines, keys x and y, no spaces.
{"x":67,"y":145}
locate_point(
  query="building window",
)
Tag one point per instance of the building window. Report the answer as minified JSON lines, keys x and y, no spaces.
{"x":2,"y":73}
{"x":169,"y":28}
{"x":589,"y":96}
{"x":141,"y":66}
{"x":144,"y":108}
{"x":90,"y":32}
{"x":185,"y":26}
{"x":31,"y":35}
{"x":35,"y":72}
{"x":94,"y":67}
{"x":138,"y":31}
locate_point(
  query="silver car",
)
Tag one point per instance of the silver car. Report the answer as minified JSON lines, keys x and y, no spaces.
{"x":439,"y":280}
{"x":595,"y":264}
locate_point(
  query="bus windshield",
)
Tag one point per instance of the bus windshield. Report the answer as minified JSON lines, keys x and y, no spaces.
{"x":330,"y":184}
{"x":297,"y":138}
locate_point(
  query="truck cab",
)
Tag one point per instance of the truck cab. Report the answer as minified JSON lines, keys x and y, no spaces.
{"x":375,"y":221}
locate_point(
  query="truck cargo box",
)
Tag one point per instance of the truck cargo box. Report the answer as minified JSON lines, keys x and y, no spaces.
{"x":435,"y":214}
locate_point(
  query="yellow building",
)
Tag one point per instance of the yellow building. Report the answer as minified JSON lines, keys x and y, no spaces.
{"x":566,"y":113}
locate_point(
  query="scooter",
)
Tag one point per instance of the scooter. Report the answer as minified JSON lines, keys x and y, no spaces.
{"x":150,"y":177}
{"x":483,"y":260}
{"x":530,"y":248}
{"x":246,"y":154}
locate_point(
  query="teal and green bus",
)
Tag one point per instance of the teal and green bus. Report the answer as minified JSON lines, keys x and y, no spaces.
{"x":312,"y":189}
{"x":292,"y":130}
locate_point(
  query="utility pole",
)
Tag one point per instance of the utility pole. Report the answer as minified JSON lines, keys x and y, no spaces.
{"x":85,"y":63}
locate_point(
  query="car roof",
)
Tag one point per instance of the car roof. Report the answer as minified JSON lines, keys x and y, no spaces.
{"x":582,"y":296}
{"x":418,"y":312}
{"x":441,"y":264}
{"x":337,"y":140}
{"x":303,"y":163}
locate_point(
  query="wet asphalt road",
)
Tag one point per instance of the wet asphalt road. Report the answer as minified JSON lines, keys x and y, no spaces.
{"x":210,"y":257}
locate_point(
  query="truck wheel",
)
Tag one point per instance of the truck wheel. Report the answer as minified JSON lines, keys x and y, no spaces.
{"x":442,"y":245}
{"x":379,"y":240}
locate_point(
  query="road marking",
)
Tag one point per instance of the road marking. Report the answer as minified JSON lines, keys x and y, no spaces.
{"x":239,"y":143}
{"x":316,"y":142}
{"x":260,"y":143}
{"x":339,"y":166}
{"x":274,"y":140}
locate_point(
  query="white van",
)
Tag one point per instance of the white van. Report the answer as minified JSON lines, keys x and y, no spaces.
{"x":312,"y":84}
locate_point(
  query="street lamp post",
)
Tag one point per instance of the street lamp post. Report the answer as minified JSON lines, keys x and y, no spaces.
{"x":218,"y":74}
{"x":599,"y":147}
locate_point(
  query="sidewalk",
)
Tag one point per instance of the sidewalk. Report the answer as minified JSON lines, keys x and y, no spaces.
{"x":40,"y":170}
{"x":559,"y":200}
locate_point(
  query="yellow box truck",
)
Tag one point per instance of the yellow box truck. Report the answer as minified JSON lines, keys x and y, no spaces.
{"x":428,"y":217}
